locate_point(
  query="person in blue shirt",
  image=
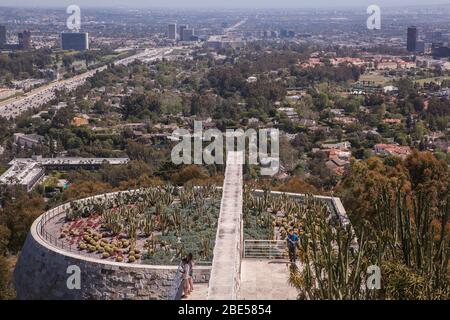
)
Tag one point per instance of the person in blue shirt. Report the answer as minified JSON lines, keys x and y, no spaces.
{"x":292,"y":240}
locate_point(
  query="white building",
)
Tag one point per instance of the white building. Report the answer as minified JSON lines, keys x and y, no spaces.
{"x":24,"y":173}
{"x":29,"y":172}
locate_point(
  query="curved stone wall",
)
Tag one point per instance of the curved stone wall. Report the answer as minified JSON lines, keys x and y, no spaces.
{"x":41,"y":273}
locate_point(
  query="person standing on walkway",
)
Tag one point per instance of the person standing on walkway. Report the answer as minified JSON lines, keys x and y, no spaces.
{"x":185,"y":274}
{"x":292,"y":240}
{"x":190,"y":260}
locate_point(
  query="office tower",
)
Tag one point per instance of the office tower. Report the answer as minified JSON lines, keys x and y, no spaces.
{"x":412,"y":39}
{"x":440,"y":51}
{"x":172,"y":34}
{"x":24,"y":40}
{"x":2,"y":36}
{"x":78,"y":41}
{"x":420,"y":46}
{"x":181,"y":30}
{"x":188,"y":34}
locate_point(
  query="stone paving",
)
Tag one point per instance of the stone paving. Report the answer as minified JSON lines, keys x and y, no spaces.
{"x":263,"y":279}
{"x":200,"y":292}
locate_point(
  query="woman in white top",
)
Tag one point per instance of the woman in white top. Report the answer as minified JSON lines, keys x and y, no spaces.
{"x":185,"y":270}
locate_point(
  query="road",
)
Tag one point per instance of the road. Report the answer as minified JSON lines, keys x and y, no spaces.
{"x":36,"y":98}
{"x":235,"y":26}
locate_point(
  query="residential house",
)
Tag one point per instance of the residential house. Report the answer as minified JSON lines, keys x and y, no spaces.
{"x":392,"y":150}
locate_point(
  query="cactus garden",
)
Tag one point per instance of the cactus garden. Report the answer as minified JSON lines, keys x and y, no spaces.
{"x":409,"y":246}
{"x":269,"y":216}
{"x":157,"y":225}
{"x":160,"y":225}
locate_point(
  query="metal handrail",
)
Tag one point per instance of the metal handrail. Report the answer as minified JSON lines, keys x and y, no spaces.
{"x":55,"y":212}
{"x":269,"y":249}
{"x":48,"y":237}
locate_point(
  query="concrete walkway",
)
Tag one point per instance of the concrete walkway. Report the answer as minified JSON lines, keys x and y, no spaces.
{"x":224,"y":279}
{"x":200,"y":292}
{"x":232,"y":278}
{"x":263,"y":279}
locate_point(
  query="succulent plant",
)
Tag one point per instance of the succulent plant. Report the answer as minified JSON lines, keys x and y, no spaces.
{"x":152,"y":212}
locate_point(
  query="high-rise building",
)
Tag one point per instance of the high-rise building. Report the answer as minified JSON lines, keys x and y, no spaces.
{"x":188,"y":34}
{"x":412,"y":39}
{"x":181,"y":30}
{"x":2,"y":36}
{"x":78,"y":41}
{"x":24,"y":40}
{"x":420,"y":46}
{"x":172,"y":32}
{"x":440,"y":51}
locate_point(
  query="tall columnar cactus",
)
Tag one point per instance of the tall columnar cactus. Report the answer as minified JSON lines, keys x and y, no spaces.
{"x":146,"y":225}
{"x":205,"y":248}
{"x":405,"y":231}
{"x":332,"y":256}
{"x":176,"y":220}
{"x":404,"y":241}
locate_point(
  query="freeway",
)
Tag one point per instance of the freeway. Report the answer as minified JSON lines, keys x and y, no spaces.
{"x":36,"y":98}
{"x":235,"y":26}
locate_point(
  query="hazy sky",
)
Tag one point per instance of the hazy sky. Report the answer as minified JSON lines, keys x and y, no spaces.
{"x":220,"y":3}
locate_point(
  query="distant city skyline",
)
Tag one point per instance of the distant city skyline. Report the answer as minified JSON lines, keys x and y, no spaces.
{"x":221,"y":4}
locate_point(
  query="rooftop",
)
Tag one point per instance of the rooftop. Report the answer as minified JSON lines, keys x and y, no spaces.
{"x":21,"y":173}
{"x":27,"y":171}
{"x":71,"y":161}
